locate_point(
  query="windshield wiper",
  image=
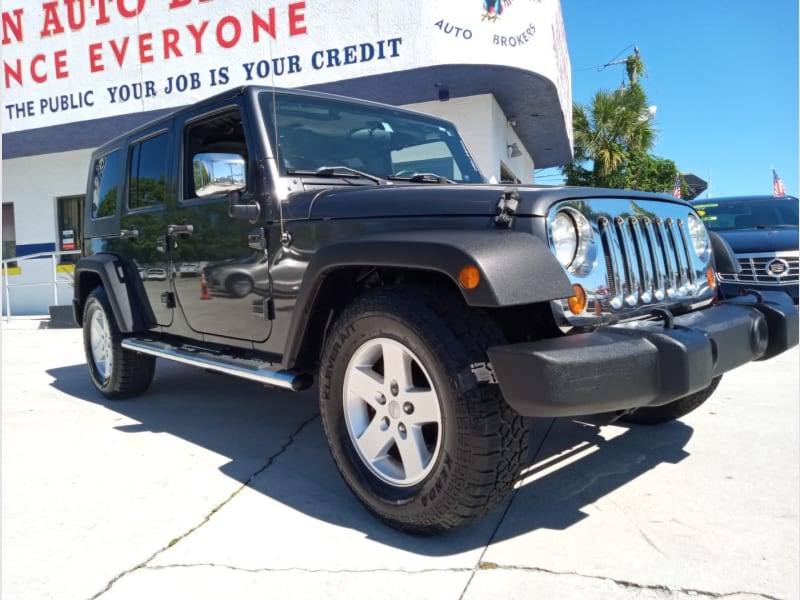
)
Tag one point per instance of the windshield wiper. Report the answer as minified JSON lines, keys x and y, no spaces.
{"x":421,"y":178}
{"x":337,"y":171}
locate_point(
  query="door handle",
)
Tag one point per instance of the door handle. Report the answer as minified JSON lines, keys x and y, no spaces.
{"x":129,"y":234}
{"x":184,"y":229}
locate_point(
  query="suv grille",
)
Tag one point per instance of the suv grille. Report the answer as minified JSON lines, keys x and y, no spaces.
{"x":638,"y":256}
{"x":647,"y":259}
{"x":769,"y":268}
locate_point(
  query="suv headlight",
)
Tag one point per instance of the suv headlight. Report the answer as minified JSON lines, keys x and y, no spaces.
{"x":571,"y":238}
{"x":700,"y":240}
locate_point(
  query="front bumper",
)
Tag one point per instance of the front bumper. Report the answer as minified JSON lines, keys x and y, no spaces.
{"x":731,"y":289}
{"x":642,"y":363}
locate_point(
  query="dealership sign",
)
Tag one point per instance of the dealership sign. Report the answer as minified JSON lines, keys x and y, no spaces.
{"x":73,"y":60}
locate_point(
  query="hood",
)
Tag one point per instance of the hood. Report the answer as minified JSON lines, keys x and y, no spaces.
{"x":406,"y":201}
{"x":402,"y":200}
{"x":755,"y":240}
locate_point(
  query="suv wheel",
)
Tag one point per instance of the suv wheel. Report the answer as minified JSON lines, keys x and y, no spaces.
{"x":116,"y":373}
{"x":419,"y":441}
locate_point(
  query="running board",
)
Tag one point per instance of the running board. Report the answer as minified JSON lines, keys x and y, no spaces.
{"x":221,"y":363}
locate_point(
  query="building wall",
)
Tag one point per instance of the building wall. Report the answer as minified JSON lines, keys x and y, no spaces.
{"x":487,"y":131}
{"x":33,"y":184}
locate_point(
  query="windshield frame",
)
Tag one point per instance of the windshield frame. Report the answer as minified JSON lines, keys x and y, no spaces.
{"x":316,"y":131}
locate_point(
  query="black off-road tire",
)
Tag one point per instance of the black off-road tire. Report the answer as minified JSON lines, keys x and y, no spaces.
{"x":470,"y":444}
{"x":116,"y":373}
{"x":656,"y":415}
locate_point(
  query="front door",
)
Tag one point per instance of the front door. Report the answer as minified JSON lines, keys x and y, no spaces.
{"x":221,"y":283}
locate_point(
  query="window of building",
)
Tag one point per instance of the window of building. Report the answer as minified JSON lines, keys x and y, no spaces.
{"x":507,"y":175}
{"x":69,"y":211}
{"x":105,"y":183}
{"x":9,"y":235}
{"x":148,"y":173}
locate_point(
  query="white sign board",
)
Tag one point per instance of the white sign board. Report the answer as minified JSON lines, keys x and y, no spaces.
{"x":73,"y":60}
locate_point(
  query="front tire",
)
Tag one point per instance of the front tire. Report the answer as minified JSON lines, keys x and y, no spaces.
{"x":420,"y":442}
{"x":656,"y":415}
{"x":116,"y":373}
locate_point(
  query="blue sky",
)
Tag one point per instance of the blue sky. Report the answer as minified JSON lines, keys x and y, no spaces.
{"x":723,"y":74}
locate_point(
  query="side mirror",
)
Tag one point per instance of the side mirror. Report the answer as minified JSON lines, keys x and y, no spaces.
{"x":216,"y":174}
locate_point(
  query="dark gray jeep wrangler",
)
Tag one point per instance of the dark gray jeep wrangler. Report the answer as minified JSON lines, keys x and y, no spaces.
{"x":294,"y":238}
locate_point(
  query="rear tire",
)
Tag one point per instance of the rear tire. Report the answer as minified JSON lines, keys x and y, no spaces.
{"x":655,"y":415}
{"x":116,"y":373}
{"x":419,"y":441}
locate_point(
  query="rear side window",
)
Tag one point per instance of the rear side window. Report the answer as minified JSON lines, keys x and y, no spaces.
{"x":148,"y":173}
{"x":105,"y":184}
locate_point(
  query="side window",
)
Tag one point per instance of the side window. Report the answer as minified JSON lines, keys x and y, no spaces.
{"x":148,"y":172}
{"x":214,"y":155}
{"x":105,"y":183}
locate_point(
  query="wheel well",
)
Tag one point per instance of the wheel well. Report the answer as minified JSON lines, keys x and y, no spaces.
{"x":86,"y":282}
{"x":340,"y":288}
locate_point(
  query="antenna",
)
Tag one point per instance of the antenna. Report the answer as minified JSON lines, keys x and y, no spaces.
{"x":276,"y":146}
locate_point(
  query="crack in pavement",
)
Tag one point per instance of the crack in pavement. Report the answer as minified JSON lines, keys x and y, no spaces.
{"x":485,"y":566}
{"x":306,"y":570}
{"x":270,"y":461}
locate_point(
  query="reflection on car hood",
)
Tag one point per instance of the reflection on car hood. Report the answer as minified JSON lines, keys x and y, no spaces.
{"x":761,"y":240}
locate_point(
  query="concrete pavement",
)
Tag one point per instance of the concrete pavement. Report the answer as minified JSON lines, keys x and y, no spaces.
{"x":211,"y":487}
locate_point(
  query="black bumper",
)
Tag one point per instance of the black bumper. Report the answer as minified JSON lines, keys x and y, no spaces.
{"x":644,"y":363}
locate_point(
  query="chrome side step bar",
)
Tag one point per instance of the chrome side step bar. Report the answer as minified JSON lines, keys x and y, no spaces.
{"x":230,"y":365}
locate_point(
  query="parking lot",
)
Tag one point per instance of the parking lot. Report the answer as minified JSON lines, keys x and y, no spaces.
{"x":212,"y":487}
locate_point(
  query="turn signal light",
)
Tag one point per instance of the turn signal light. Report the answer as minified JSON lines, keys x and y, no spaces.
{"x":469,"y":277}
{"x":577,"y":303}
{"x":712,"y":280}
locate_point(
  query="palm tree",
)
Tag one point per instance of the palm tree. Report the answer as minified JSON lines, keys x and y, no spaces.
{"x":606,"y":132}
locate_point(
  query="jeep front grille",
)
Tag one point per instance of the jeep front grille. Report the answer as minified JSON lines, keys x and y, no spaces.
{"x":647,"y":259}
{"x":640,"y":257}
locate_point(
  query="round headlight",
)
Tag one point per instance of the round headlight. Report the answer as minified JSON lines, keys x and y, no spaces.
{"x":564,"y":235}
{"x":700,"y":241}
{"x":572,"y":237}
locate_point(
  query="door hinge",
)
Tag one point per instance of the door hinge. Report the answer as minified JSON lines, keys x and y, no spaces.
{"x":264,"y":307}
{"x":257,"y":239}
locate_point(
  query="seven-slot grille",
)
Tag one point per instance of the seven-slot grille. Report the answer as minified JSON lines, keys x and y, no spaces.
{"x":647,"y":259}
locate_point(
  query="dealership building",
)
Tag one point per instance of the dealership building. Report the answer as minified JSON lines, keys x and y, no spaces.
{"x":79,"y":72}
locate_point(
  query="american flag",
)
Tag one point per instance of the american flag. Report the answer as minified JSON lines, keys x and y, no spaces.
{"x":676,"y":189}
{"x":777,"y":185}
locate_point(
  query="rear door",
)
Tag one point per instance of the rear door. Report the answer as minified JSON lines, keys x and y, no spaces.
{"x":144,"y":214}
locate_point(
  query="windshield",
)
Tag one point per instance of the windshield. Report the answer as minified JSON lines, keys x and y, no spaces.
{"x":315,"y":132}
{"x":749,"y":213}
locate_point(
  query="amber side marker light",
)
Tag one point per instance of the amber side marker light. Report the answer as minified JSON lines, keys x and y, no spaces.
{"x":577,"y":303}
{"x":711,"y":278}
{"x":469,"y":277}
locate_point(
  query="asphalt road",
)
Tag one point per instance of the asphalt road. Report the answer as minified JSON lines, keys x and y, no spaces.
{"x":210,"y":487}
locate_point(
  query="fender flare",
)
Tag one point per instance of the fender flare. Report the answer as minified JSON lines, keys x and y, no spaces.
{"x":124,"y":288}
{"x":516,"y":268}
{"x":724,"y":257}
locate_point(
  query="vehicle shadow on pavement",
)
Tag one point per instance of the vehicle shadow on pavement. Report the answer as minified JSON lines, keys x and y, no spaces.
{"x":277,"y":435}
